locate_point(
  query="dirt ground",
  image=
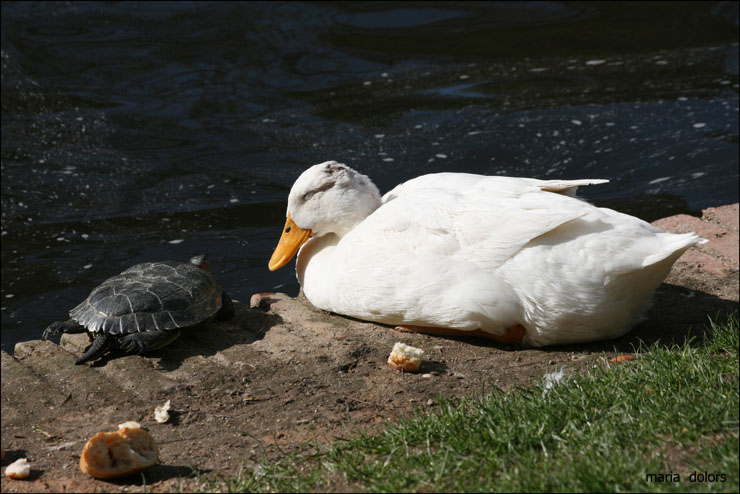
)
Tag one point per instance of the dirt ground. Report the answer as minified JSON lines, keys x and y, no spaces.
{"x":281,"y":373}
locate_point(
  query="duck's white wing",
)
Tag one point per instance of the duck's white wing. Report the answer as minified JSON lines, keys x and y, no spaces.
{"x":501,"y":187}
{"x":483,"y":220}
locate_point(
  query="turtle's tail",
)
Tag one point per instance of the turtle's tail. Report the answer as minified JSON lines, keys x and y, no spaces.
{"x":101,"y":345}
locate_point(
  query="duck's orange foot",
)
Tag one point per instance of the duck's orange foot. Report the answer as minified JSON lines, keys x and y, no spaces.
{"x":513,"y":334}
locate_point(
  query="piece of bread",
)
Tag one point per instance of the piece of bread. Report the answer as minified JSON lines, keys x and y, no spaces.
{"x":19,"y":469}
{"x":405,"y":357}
{"x":128,"y":450}
{"x":162,"y":413}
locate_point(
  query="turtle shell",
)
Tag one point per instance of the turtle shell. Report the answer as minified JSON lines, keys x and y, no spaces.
{"x":152,"y":296}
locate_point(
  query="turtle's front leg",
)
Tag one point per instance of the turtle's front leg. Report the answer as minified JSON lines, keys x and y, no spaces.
{"x":147,"y":340}
{"x":68,"y":326}
{"x":102,"y":343}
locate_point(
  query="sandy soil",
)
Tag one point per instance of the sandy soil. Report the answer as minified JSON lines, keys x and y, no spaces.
{"x":282,"y":373}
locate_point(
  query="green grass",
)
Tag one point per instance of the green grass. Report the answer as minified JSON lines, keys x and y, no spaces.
{"x":673,"y":410}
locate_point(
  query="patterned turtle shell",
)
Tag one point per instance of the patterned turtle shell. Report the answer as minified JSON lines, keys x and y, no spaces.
{"x":152,"y":296}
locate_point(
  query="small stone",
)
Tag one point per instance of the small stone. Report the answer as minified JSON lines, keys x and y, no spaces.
{"x":259,"y":301}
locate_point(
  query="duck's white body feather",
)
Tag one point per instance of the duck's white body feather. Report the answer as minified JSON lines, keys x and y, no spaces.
{"x":470,"y":252}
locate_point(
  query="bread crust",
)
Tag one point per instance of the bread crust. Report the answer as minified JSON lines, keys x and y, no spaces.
{"x":114,"y":454}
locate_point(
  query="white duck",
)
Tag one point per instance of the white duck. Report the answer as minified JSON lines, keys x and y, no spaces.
{"x":515,"y":259}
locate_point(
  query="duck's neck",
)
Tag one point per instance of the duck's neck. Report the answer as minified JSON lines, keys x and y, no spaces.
{"x":315,"y":268}
{"x":351,"y":215}
{"x":316,"y":253}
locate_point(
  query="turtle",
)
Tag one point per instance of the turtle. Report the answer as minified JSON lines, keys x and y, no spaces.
{"x":145,"y":307}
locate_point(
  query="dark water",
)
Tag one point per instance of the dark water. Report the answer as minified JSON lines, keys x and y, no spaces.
{"x":148,"y":131}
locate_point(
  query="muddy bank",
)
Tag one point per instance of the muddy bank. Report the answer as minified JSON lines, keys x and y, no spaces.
{"x":282,"y":372}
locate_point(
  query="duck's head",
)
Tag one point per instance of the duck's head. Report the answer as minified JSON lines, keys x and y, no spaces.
{"x":327,"y":198}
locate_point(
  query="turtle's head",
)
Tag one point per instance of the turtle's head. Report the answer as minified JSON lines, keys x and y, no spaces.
{"x":201,"y":261}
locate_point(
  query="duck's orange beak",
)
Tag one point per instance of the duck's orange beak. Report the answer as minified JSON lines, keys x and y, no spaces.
{"x":289,"y":243}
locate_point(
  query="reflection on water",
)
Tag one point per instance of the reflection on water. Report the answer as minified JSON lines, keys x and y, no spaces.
{"x":398,"y":18}
{"x":150,"y":131}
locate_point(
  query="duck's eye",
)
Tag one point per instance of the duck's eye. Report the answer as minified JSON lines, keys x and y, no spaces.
{"x":322,"y":188}
{"x":287,"y":229}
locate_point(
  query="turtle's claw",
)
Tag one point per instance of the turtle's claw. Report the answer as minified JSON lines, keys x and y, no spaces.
{"x":132,"y":344}
{"x":127,"y":344}
{"x":51,"y":331}
{"x":69,"y":326}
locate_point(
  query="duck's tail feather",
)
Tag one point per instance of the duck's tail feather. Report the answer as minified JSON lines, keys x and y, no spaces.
{"x":678,"y":244}
{"x":568,"y":187}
